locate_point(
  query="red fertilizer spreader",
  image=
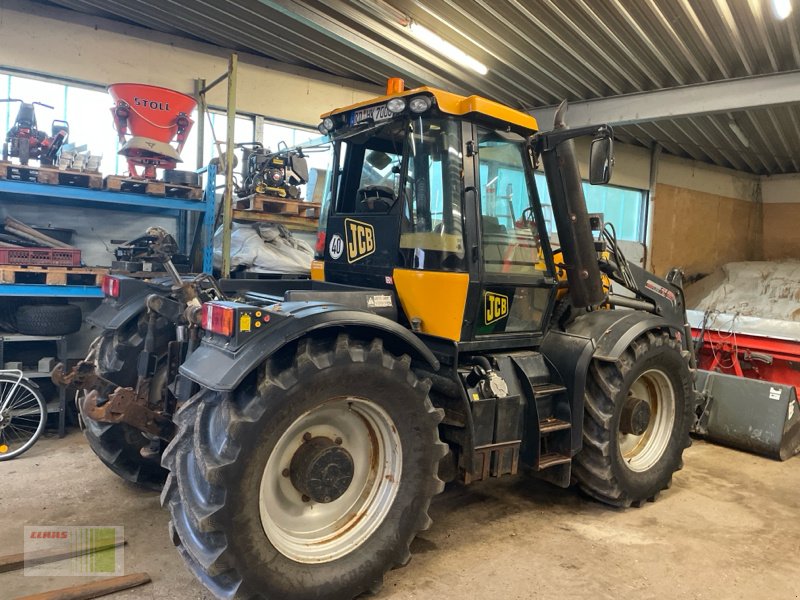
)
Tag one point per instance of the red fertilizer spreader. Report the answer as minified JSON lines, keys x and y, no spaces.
{"x":148,"y":118}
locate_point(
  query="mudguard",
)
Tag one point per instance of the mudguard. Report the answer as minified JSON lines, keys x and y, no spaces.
{"x":217,"y":367}
{"x":114,"y":313}
{"x":613,"y":330}
{"x":111,"y":315}
{"x":569,"y":355}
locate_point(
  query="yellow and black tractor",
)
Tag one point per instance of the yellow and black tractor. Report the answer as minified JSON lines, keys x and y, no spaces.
{"x":434,"y":343}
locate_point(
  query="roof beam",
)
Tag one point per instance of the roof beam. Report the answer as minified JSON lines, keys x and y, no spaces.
{"x":685,"y":101}
{"x":356,"y":41}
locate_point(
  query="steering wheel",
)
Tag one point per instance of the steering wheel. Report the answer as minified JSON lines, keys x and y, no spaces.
{"x":527,"y":216}
{"x":376,"y":197}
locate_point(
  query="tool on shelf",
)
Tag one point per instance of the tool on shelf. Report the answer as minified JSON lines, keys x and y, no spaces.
{"x":25,"y":141}
{"x":153,"y":117}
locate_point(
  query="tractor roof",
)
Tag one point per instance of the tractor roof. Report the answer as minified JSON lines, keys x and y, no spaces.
{"x":454,"y":104}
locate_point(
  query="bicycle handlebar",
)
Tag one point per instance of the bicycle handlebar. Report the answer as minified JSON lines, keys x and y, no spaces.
{"x":23,"y":102}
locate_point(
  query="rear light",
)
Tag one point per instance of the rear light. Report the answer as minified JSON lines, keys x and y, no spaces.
{"x":218,"y":319}
{"x":319,"y":250}
{"x":110,"y":286}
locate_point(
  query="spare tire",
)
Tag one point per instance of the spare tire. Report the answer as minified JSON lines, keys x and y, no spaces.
{"x":49,"y":319}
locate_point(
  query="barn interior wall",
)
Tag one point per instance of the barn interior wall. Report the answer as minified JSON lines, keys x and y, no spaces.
{"x":781,"y":216}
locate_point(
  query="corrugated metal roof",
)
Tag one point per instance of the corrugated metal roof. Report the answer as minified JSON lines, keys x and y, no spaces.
{"x":538,"y":52}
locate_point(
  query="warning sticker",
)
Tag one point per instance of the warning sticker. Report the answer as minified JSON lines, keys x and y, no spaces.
{"x":381,"y":301}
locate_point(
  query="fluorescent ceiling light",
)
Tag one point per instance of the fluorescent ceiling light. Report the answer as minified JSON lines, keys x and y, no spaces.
{"x":739,"y":133}
{"x":782,"y":8}
{"x":445,"y":48}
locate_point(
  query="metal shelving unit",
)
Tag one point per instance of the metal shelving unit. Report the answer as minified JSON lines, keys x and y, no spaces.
{"x":60,"y":341}
{"x":102,"y":199}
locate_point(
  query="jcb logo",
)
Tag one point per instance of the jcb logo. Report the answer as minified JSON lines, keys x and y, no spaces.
{"x":360,"y":239}
{"x":495,"y":307}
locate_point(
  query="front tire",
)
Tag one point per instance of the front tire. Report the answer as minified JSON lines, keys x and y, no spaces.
{"x":638,"y":411}
{"x":252,"y":522}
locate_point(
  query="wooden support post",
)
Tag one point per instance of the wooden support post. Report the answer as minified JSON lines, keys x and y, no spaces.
{"x":227,"y":206}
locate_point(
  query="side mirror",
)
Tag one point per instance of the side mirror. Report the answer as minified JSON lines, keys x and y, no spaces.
{"x":601,"y":159}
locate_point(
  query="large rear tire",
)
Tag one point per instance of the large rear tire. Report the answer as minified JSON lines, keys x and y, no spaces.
{"x":239,"y":517}
{"x":638,"y":411}
{"x":118,"y":445}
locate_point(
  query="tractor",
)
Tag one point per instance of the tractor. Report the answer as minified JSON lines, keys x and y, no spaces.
{"x":443,"y":337}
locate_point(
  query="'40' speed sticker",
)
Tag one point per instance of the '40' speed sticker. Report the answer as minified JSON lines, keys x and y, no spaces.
{"x":336,"y":247}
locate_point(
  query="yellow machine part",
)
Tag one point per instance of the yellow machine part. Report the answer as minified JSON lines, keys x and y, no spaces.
{"x":561,"y":274}
{"x":437,"y":299}
{"x":317,"y":270}
{"x":456,"y":105}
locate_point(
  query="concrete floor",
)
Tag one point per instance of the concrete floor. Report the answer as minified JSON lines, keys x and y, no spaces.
{"x":728,"y":528}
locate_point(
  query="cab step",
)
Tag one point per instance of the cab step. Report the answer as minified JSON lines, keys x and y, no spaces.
{"x":548,"y":389}
{"x":551,"y":460}
{"x":551,"y":424}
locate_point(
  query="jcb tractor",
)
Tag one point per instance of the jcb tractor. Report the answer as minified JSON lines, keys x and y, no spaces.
{"x":435,"y":343}
{"x":443,"y":337}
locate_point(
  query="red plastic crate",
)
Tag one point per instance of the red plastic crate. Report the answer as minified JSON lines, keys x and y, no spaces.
{"x":42,"y":257}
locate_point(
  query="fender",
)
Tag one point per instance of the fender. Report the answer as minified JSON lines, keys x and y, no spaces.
{"x":114,"y":313}
{"x":613,"y":330}
{"x":218,"y":368}
{"x":569,"y":356}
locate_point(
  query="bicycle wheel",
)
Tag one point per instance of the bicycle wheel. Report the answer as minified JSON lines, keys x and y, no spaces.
{"x":23,"y":415}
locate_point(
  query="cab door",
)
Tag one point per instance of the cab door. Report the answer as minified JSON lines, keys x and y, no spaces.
{"x":515,"y":284}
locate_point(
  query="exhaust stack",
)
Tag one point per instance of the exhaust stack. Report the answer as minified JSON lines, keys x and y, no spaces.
{"x":571,"y":216}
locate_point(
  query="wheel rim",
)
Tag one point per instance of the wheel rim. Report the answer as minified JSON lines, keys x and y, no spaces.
{"x":21,"y":418}
{"x":654,"y":389}
{"x":309,"y":531}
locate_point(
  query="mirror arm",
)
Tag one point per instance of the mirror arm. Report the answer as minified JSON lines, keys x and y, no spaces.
{"x":548,"y":140}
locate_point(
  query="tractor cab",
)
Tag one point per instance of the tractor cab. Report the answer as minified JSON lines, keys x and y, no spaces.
{"x":433,"y":196}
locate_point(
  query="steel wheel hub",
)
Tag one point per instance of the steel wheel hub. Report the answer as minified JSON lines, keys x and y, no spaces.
{"x":635,"y":416}
{"x":330,"y":480}
{"x":321,"y":469}
{"x":647,"y":419}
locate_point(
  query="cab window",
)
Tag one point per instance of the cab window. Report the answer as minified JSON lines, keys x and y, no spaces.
{"x":432,"y":226}
{"x":372,"y":170}
{"x":509,"y":232}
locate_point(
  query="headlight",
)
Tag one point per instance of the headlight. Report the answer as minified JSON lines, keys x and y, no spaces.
{"x":328,"y":123}
{"x":396,"y":105}
{"x":419,"y":104}
{"x":322,"y":129}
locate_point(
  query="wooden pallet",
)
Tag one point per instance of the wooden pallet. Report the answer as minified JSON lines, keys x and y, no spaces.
{"x":277,"y":205}
{"x":118,"y":183}
{"x":50,"y":176}
{"x":290,"y":221}
{"x":52,"y":275}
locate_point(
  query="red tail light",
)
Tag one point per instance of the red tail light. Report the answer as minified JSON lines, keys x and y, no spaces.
{"x":217,"y":319}
{"x":110,"y":286}
{"x":319,"y":250}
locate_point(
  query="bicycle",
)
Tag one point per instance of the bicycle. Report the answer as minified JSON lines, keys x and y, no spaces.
{"x":23,"y":413}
